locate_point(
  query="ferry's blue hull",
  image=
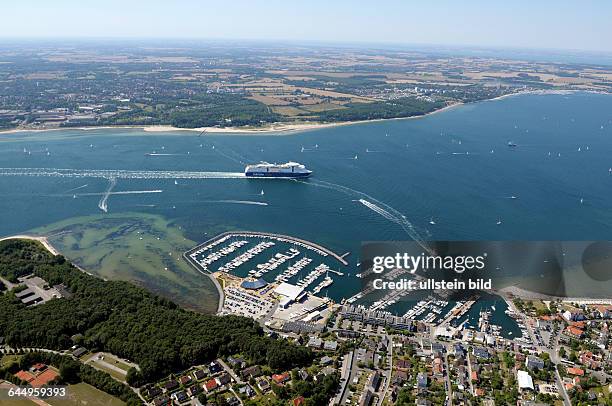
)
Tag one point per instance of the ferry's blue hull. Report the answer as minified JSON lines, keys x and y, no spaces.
{"x":276,"y":175}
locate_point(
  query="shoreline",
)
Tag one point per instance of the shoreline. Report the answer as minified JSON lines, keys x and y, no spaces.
{"x":526,"y":294}
{"x":276,"y":128}
{"x":506,"y":292}
{"x":41,"y":239}
{"x":281,"y":128}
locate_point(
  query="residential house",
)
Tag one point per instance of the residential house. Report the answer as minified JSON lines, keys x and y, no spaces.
{"x":251,"y":372}
{"x":534,"y":362}
{"x":281,"y":378}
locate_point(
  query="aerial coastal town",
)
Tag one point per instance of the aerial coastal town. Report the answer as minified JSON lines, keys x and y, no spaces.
{"x":316,"y":203}
{"x":263,"y":87}
{"x":360,"y":356}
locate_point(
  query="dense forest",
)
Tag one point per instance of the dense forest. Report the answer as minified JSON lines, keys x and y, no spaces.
{"x":127,"y":321}
{"x":19,"y":257}
{"x":201,"y":110}
{"x":402,"y":107}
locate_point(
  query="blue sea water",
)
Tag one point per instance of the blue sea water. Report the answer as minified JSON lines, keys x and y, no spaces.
{"x":453,"y":167}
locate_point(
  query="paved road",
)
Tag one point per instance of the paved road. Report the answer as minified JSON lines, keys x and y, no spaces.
{"x":230,"y":371}
{"x":347,"y":369}
{"x":449,"y":390}
{"x":390,"y":362}
{"x":566,"y":399}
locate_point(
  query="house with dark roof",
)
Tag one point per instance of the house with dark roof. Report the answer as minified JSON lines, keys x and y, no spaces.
{"x":458,"y":350}
{"x":171,"y":385}
{"x":534,"y":362}
{"x":200,"y":374}
{"x":194,"y":390}
{"x":224,"y":379}
{"x":481,"y":352}
{"x":215,"y":367}
{"x":236,"y":362}
{"x":251,"y":372}
{"x":154,"y":392}
{"x":180,"y":396}
{"x":162,"y":401}
{"x":263,"y":384}
{"x":79,"y":352}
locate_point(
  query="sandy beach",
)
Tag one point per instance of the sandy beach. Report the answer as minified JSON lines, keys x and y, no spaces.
{"x":43,"y":240}
{"x":275,"y":128}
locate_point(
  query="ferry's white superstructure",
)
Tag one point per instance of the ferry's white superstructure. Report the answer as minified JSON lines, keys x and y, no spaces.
{"x":268,"y":170}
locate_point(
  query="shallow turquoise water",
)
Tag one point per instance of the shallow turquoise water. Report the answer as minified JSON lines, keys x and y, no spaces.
{"x":454,"y":167}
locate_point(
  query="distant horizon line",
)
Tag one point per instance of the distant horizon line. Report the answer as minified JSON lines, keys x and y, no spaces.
{"x":338,"y":43}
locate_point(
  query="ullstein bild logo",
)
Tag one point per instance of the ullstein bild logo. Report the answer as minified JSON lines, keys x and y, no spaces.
{"x":552,"y":268}
{"x":421,"y":264}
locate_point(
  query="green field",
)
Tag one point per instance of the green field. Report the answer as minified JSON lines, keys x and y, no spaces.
{"x":141,"y":248}
{"x":8,"y":359}
{"x":83,"y":394}
{"x":13,"y":402}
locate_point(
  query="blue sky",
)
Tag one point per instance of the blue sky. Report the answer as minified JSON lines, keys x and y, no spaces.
{"x":579,"y":25}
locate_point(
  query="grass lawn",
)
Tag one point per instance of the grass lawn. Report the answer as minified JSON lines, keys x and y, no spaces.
{"x":114,"y":373}
{"x":267,"y":399}
{"x":4,"y":400}
{"x":8,"y":359}
{"x":539,"y":305}
{"x":83,"y":394}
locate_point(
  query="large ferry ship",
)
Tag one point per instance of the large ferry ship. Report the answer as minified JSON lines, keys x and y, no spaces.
{"x":267,"y":170}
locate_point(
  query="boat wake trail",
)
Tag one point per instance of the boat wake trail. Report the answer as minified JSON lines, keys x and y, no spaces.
{"x":103,"y":203}
{"x":76,"y":188}
{"x":377,"y":206}
{"x":248,"y":202}
{"x":123,"y":192}
{"x":378,"y":210}
{"x":118,"y":173}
